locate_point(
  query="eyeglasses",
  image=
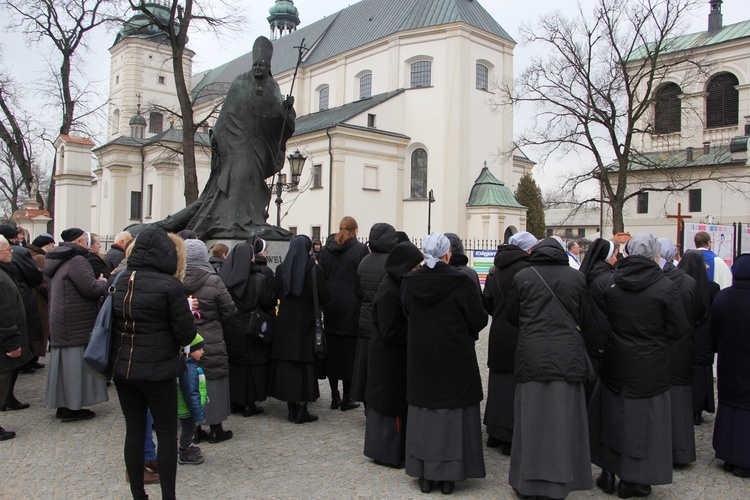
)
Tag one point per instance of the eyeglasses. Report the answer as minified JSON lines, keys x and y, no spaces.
{"x":8,"y":249}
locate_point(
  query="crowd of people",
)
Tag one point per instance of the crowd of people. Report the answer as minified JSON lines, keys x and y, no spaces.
{"x":603,"y":358}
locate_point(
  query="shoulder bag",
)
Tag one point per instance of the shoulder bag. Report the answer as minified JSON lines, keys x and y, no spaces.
{"x":320,"y":346}
{"x":261,"y":324}
{"x":96,"y":354}
{"x":590,"y":372}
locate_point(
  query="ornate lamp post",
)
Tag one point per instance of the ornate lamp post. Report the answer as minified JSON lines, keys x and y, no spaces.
{"x":296,"y":163}
{"x":430,"y":201}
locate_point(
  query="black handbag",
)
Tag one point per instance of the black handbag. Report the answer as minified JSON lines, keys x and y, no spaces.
{"x":96,"y":354}
{"x":320,"y":347}
{"x":261,"y":325}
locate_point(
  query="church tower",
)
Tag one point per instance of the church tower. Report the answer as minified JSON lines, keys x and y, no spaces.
{"x":141,"y":72}
{"x":284,"y":18}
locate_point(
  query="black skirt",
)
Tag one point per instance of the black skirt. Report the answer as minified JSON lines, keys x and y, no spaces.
{"x":293,"y":382}
{"x":340,"y":356}
{"x":498,"y":414}
{"x":385,"y":438}
{"x":359,"y":375}
{"x":732,"y":435}
{"x":248,"y":384}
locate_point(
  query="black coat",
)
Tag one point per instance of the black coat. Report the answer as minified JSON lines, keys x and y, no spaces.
{"x":243,"y":349}
{"x":28,"y":276}
{"x":550,"y":348}
{"x":151,"y":315}
{"x":114,"y":257}
{"x":730,"y":316}
{"x":371,"y":272}
{"x":644,"y":315}
{"x":295,"y":325}
{"x":597,"y":331}
{"x":704,"y":341}
{"x":12,"y":321}
{"x":444,"y":314}
{"x":386,"y":363}
{"x":681,"y":350}
{"x":339,"y":264}
{"x":501,"y":351}
{"x":98,"y":265}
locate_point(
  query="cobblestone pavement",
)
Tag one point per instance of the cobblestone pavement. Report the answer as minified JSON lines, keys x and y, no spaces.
{"x":268,"y":458}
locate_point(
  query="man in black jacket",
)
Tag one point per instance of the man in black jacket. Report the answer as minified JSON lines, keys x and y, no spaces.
{"x":27,"y":276}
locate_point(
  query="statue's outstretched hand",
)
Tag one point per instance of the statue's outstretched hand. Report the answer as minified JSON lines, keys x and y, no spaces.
{"x":289,"y":101}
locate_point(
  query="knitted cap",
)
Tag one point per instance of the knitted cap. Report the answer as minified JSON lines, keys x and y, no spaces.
{"x":71,"y":234}
{"x":196,"y":344}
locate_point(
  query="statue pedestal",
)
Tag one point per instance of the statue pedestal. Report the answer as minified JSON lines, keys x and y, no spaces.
{"x":275,"y":249}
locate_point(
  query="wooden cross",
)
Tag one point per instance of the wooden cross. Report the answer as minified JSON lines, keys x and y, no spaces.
{"x":679,"y":218}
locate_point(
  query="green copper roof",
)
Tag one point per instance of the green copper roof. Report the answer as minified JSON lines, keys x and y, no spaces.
{"x":701,"y":39}
{"x":489,"y":191}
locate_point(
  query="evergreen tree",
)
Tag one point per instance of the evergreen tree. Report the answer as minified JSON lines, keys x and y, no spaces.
{"x":529,"y":194}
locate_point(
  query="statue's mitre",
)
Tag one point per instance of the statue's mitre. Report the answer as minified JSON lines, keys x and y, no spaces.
{"x":262,"y":50}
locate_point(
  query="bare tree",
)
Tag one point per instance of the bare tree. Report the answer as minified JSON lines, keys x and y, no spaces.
{"x":16,"y":148}
{"x":183,"y":15}
{"x":66,"y":25}
{"x":596,"y":89}
{"x":11,"y":183}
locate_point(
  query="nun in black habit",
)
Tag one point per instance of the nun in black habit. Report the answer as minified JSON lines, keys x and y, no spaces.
{"x":630,"y":410}
{"x":385,"y":428}
{"x":249,"y":359}
{"x":293,"y":360}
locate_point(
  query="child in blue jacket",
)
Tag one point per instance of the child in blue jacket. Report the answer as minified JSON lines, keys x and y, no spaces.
{"x":191,"y":398}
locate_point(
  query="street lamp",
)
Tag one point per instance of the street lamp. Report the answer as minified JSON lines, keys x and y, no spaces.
{"x":296,"y":163}
{"x":430,"y":201}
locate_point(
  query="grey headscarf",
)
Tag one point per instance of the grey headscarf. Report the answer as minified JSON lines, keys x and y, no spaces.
{"x":197,"y":256}
{"x":668,"y":251}
{"x":645,"y":245}
{"x":523,"y":240}
{"x":560,"y":241}
{"x":434,"y":247}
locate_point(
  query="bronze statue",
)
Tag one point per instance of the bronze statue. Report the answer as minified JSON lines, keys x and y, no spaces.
{"x":248,"y":143}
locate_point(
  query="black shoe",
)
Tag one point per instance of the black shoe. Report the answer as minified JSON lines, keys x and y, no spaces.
{"x":493,"y":442}
{"x":60,"y":412}
{"x":249,"y":411}
{"x":606,"y":481}
{"x":728,"y":467}
{"x":446,"y":487}
{"x":37,"y":365}
{"x":697,"y":419}
{"x":391,"y":466}
{"x":219,"y":435}
{"x":304,"y":416}
{"x":13,"y":404}
{"x":741,"y":472}
{"x":677,"y":466}
{"x":505,"y":449}
{"x":292,"y":407}
{"x":75,"y":415}
{"x":335,"y":403}
{"x":5,"y":435}
{"x":349,"y":404}
{"x":425,"y":485}
{"x":627,"y":490}
{"x":521,"y":495}
{"x":200,"y":435}
{"x":26,"y":369}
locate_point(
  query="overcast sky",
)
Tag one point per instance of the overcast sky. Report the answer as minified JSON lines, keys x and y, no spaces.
{"x":26,"y":63}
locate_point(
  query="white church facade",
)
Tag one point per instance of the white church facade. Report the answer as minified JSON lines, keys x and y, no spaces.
{"x":392,"y":104}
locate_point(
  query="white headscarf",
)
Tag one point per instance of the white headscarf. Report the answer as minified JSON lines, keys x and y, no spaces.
{"x":523,"y":240}
{"x":434,"y":247}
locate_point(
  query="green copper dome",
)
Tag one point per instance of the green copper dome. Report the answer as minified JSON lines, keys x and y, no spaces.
{"x":140,"y":26}
{"x":489,"y":191}
{"x":284,"y":14}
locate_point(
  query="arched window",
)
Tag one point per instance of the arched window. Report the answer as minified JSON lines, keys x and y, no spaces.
{"x":723,"y":101}
{"x":421,"y":74}
{"x":667,"y":119}
{"x":323,"y":98}
{"x":155,"y":123}
{"x":419,"y":173}
{"x":483,"y":77}
{"x":115,"y":121}
{"x":365,"y":86}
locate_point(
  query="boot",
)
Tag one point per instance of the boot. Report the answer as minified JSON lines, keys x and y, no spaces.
{"x":251,"y":410}
{"x":292,"y":411}
{"x":606,"y":481}
{"x":200,"y":435}
{"x":218,"y":434}
{"x":148,"y":477}
{"x":304,"y":416}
